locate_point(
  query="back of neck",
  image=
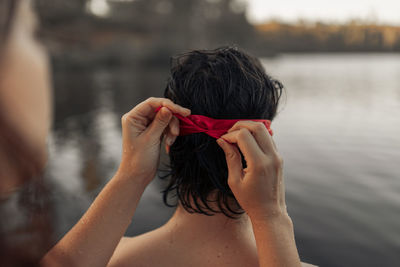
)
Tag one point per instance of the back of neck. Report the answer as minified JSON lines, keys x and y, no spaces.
{"x":201,"y":225}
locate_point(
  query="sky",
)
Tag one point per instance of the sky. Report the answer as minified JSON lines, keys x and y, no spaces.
{"x":381,"y":11}
{"x":377,"y":11}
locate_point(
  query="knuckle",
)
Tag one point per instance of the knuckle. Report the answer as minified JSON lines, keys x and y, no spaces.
{"x":151,"y":99}
{"x":259,"y":126}
{"x":161,"y":121}
{"x":124,"y":117}
{"x":238,"y":125}
{"x":167,"y":101}
{"x":243,"y":133}
{"x":231,"y":181}
{"x":277,"y":161}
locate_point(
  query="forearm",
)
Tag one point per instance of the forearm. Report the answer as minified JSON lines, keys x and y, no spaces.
{"x":92,"y":241}
{"x":275,"y":241}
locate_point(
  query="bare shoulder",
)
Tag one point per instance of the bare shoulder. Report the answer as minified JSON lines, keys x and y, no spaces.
{"x":156,"y":248}
{"x":146,"y":250}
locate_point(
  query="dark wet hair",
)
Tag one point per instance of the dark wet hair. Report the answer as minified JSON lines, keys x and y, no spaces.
{"x":225,"y":83}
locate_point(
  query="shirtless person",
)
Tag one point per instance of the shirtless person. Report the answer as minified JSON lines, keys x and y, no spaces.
{"x":223,"y":83}
{"x":227,"y":84}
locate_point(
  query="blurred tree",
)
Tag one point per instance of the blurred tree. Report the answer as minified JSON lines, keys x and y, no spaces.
{"x":149,"y":31}
{"x":60,"y":11}
{"x":185,"y":23}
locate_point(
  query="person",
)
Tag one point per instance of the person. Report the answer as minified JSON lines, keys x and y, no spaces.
{"x":231,"y":207}
{"x":189,"y":239}
{"x":25,"y":115}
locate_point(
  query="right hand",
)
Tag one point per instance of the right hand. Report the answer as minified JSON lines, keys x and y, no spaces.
{"x":258,"y":188}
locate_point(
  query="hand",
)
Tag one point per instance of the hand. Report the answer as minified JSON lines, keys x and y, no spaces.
{"x":258,"y":188}
{"x":142,"y":132}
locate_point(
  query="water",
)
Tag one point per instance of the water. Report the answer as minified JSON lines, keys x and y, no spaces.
{"x":338,"y":132}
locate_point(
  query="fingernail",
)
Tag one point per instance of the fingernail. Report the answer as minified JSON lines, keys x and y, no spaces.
{"x":165,"y":112}
{"x":175,"y":130}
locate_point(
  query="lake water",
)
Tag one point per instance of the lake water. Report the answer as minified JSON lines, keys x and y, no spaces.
{"x":338,"y":131}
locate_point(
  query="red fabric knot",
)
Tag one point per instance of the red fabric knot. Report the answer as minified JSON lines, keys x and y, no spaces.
{"x":213,"y":127}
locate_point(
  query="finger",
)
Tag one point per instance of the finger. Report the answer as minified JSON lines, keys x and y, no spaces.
{"x":260,"y":133}
{"x":247,"y":144}
{"x":172,"y":131}
{"x":146,"y":109}
{"x":159,"y":124}
{"x":233,"y":161}
{"x":169,"y":138}
{"x":174,"y":126}
{"x":132,"y":126}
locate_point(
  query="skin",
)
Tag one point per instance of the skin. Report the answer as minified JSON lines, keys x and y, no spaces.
{"x":264,"y":237}
{"x":26,"y":100}
{"x":259,"y":189}
{"x":112,"y":210}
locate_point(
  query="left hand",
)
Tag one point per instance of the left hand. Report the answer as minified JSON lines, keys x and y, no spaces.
{"x":142,"y":132}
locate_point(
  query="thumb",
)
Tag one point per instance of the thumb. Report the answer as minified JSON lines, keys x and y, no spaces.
{"x":233,"y":161}
{"x":160,"y":122}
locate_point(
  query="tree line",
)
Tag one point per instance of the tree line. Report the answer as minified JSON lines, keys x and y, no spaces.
{"x":354,"y":36}
{"x":153,"y":30}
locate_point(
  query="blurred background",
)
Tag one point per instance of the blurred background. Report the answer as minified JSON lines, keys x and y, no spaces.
{"x":338,"y":128}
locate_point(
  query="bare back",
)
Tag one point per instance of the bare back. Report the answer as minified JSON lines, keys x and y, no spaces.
{"x":163,"y":247}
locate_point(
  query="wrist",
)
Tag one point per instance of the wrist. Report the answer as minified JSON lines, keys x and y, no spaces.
{"x":131,"y":178}
{"x":277,"y":217}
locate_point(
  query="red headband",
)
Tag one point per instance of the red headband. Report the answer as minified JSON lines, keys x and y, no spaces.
{"x":213,"y":127}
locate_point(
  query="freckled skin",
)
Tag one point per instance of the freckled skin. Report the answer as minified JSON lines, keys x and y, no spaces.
{"x":192,"y":240}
